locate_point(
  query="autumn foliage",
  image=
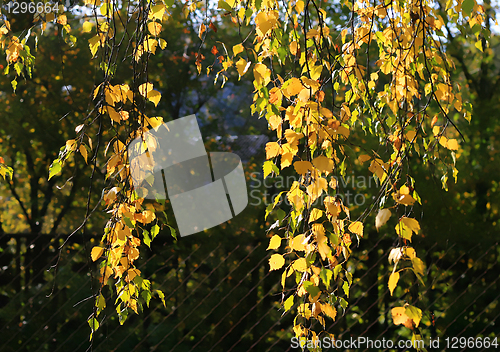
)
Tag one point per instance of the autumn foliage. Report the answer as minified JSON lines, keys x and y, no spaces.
{"x":324,"y":75}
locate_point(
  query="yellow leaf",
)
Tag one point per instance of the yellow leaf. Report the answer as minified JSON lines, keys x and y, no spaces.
{"x":62,"y":19}
{"x":315,"y":214}
{"x":96,"y":253}
{"x":382,"y":217}
{"x":299,"y":6}
{"x":163,"y":43}
{"x":242,"y":66}
{"x":272,"y":149}
{"x":94,"y":43}
{"x":288,"y":303}
{"x":265,"y":21}
{"x":323,"y":248}
{"x":286,"y":160}
{"x":154,"y":28}
{"x":150,"y":45}
{"x":107,"y":9}
{"x":145,"y":88}
{"x":87,"y":27}
{"x":452,"y":144}
{"x":262,"y":74}
{"x":201,"y":30}
{"x":83,"y":151}
{"x":414,"y":314}
{"x":302,"y":167}
{"x":238,"y":48}
{"x":399,"y":317}
{"x":296,"y":243}
{"x":393,"y":281}
{"x":154,"y":96}
{"x":154,"y":121}
{"x":293,"y":86}
{"x":276,"y":262}
{"x":132,"y":273}
{"x":357,"y":228}
{"x":156,"y":12}
{"x":275,"y":242}
{"x":114,"y":115}
{"x":296,"y":196}
{"x":323,"y":164}
{"x":363,"y":158}
{"x":418,"y":265}
{"x":293,"y":48}
{"x":412,"y":224}
{"x":300,"y":265}
{"x":329,"y":310}
{"x":410,"y":252}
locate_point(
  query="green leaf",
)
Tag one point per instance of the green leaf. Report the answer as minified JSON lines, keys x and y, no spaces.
{"x":343,"y":303}
{"x":100,"y":303}
{"x":345,"y":287}
{"x":467,"y":7}
{"x":326,"y":276}
{"x":147,"y":239}
{"x":414,"y":314}
{"x":94,"y":325}
{"x":418,"y":266}
{"x":146,"y":295}
{"x":311,"y":289}
{"x":55,"y":168}
{"x":336,"y":271}
{"x":162,"y":297}
{"x":154,"y":231}
{"x":225,"y":6}
{"x":172,"y":232}
{"x":128,"y":222}
{"x":288,"y":303}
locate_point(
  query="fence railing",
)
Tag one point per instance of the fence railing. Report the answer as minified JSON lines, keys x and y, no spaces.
{"x":220,"y":296}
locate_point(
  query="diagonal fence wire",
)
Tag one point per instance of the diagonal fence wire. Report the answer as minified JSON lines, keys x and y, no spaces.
{"x":241,"y":315}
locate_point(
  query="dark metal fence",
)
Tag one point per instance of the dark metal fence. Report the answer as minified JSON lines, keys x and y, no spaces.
{"x":220,"y":296}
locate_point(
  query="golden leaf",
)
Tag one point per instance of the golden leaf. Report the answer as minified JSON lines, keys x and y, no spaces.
{"x":275,"y":242}
{"x":265,"y":21}
{"x":276,"y":262}
{"x":262,"y":74}
{"x":329,"y":310}
{"x":300,"y":265}
{"x":323,"y":164}
{"x":242,"y":66}
{"x":297,"y":243}
{"x":382,"y":217}
{"x":154,"y":28}
{"x":323,"y":248}
{"x":302,"y":167}
{"x":315,"y":214}
{"x":238,"y":48}
{"x":154,"y":97}
{"x":412,"y":224}
{"x":293,"y":87}
{"x":357,"y":228}
{"x":96,"y":253}
{"x":83,"y":152}
{"x":399,"y":317}
{"x":272,"y":149}
{"x":393,"y":281}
